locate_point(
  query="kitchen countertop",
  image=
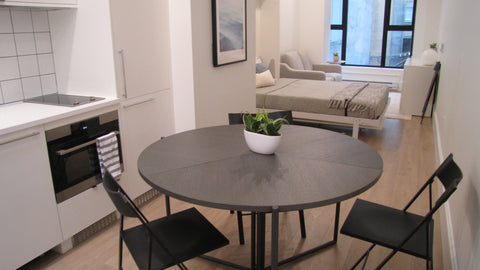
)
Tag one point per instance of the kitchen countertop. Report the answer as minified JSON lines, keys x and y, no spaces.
{"x":21,"y":115}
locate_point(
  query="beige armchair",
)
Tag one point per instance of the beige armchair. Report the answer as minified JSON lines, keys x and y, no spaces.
{"x":296,"y":65}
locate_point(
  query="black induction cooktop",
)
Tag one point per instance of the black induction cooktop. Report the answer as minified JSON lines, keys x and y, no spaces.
{"x":63,"y":100}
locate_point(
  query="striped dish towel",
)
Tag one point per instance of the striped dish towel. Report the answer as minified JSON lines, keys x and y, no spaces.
{"x":107,"y":148}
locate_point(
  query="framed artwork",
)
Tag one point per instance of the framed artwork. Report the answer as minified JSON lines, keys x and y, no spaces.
{"x":229,"y":31}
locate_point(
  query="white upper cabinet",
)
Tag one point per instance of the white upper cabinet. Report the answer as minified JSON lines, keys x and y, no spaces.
{"x":141,"y":46}
{"x":40,"y":3}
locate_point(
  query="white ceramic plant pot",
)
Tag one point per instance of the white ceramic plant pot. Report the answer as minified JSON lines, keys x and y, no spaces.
{"x":429,"y":57}
{"x":260,"y":143}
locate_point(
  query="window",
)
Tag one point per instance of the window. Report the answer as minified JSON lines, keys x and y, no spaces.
{"x":375,"y":33}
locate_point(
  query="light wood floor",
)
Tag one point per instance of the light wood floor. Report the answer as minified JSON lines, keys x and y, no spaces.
{"x":407,"y":150}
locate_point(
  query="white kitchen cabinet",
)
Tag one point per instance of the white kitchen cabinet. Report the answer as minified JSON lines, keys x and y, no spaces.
{"x":141,"y":45}
{"x":81,"y":211}
{"x":141,"y":41}
{"x":28,"y":209}
{"x":143,"y":121}
{"x":40,"y":3}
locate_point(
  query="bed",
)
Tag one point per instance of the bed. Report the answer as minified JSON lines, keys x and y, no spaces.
{"x":360,"y":105}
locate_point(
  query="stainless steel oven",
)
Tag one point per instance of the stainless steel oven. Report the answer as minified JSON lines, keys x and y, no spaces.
{"x":73,"y":154}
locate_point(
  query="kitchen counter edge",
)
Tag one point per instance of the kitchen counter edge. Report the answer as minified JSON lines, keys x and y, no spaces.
{"x":21,"y":115}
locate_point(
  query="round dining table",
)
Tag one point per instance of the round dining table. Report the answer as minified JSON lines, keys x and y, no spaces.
{"x":214,"y":167}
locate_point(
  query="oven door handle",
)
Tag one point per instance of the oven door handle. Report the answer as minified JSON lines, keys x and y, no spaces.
{"x":83,"y":145}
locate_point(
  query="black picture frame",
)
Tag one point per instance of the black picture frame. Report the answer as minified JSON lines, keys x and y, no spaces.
{"x":229,"y":31}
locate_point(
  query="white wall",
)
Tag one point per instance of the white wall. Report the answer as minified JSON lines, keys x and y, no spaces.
{"x":268,"y":32}
{"x":314,"y":30}
{"x":457,"y":126}
{"x":289,"y":25}
{"x":182,"y":64}
{"x":220,"y":90}
{"x":426,"y":25}
{"x":301,"y":27}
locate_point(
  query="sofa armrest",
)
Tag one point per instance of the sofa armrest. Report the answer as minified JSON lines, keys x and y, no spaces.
{"x":287,"y":72}
{"x":328,"y":68}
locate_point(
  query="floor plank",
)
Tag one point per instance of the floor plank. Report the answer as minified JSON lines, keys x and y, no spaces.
{"x":407,"y":150}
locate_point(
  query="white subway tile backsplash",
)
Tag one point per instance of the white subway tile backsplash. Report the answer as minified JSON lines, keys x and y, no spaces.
{"x":22,"y":21}
{"x":9,"y":68}
{"x":45,"y":63}
{"x":49,"y":84}
{"x":12,"y":90}
{"x":25,"y":43}
{"x":5,"y":21}
{"x":7,"y":45}
{"x":31,"y":87}
{"x":43,"y":42}
{"x":40,"y":21}
{"x":28,"y":65}
{"x":26,"y":56}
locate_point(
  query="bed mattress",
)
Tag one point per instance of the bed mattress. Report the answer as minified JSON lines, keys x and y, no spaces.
{"x":314,"y":96}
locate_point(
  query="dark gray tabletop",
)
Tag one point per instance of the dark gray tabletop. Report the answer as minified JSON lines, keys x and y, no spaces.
{"x":213,"y":167}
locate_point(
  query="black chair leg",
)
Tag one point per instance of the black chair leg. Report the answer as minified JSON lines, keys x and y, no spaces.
{"x":167,"y":204}
{"x":302,"y":223}
{"x":240,"y":228}
{"x":120,"y":244}
{"x":363,"y":256}
{"x":386,"y":259}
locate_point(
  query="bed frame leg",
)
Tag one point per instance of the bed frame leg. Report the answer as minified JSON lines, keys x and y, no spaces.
{"x":356,"y":128}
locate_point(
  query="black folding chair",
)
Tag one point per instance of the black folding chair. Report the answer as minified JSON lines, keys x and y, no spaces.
{"x":400,"y":230}
{"x":166,"y":241}
{"x":237,"y":118}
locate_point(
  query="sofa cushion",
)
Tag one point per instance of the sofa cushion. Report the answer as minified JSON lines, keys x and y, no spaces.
{"x":307,"y":65}
{"x":264,"y":79}
{"x":293,"y":60}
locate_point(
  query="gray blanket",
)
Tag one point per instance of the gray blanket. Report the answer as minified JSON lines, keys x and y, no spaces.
{"x":343,"y":99}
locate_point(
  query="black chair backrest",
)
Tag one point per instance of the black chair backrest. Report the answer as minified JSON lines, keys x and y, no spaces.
{"x":127,"y":207}
{"x":450,"y":176}
{"x":118,"y":196}
{"x":237,"y":118}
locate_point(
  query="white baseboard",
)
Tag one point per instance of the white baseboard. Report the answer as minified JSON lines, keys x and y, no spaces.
{"x":447,"y":236}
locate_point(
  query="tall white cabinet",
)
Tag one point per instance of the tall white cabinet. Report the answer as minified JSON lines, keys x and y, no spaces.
{"x":143,"y":74}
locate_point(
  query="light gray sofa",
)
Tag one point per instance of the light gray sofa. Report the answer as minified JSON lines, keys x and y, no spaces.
{"x":297,"y":65}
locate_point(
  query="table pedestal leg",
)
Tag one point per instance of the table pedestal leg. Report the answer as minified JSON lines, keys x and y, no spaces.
{"x":260,"y":241}
{"x":253,"y":240}
{"x":275,"y":229}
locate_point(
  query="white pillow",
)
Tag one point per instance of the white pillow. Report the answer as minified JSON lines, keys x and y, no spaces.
{"x":264,"y":79}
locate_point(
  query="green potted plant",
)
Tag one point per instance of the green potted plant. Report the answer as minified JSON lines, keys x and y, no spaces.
{"x":335,"y":57}
{"x":262,"y":133}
